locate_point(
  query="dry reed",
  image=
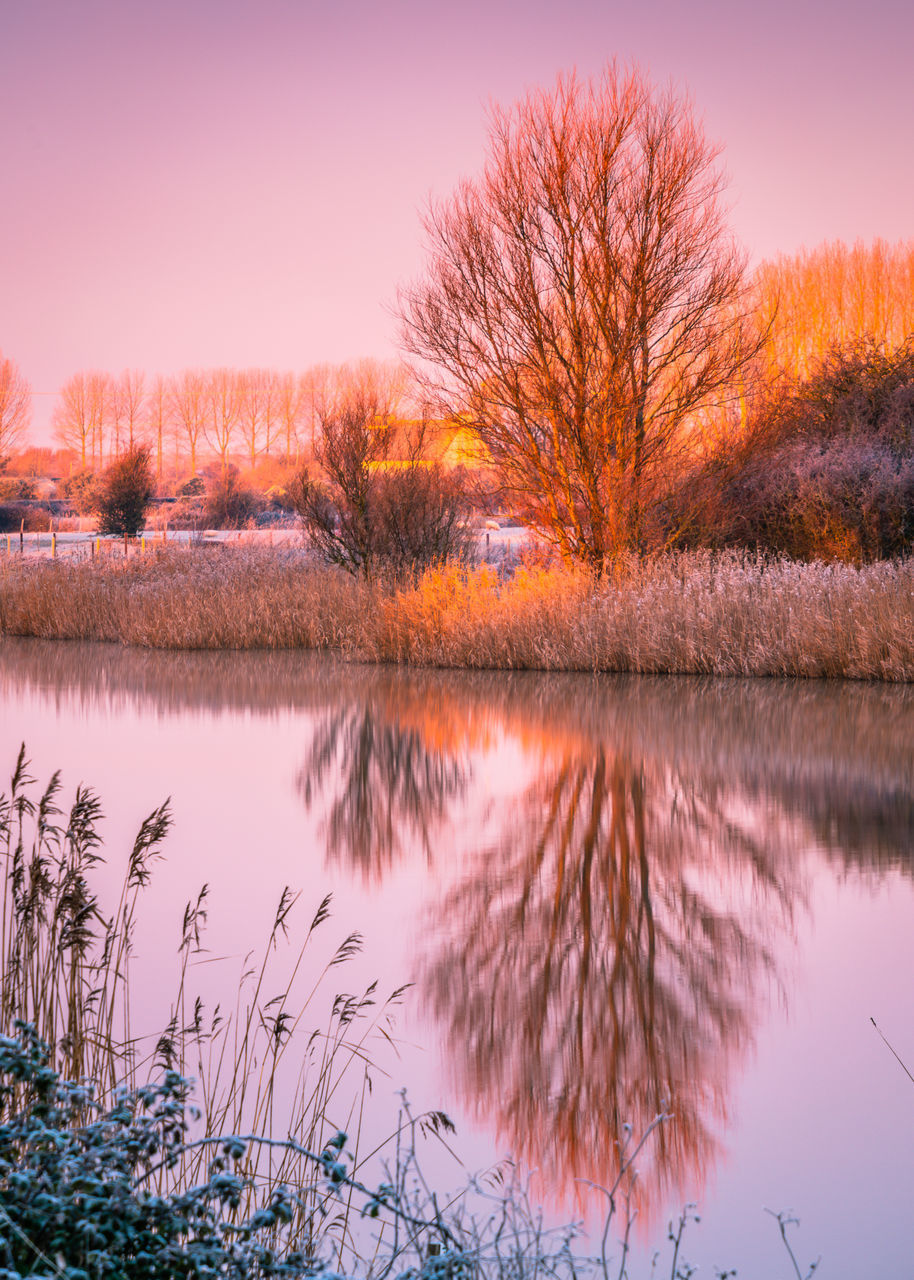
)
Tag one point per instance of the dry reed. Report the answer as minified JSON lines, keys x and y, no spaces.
{"x":698,"y":613}
{"x":686,"y":614}
{"x":260,"y":1066}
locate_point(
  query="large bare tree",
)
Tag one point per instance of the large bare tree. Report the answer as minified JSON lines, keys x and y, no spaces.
{"x":15,"y":406}
{"x":582,"y":301}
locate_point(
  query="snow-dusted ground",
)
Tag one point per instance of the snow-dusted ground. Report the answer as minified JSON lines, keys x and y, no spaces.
{"x":86,"y":543}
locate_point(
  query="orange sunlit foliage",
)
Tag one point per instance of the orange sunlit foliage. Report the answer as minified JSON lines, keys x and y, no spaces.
{"x":835,"y":294}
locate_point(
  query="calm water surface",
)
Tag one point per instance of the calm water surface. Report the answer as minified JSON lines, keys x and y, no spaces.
{"x":611,"y":896}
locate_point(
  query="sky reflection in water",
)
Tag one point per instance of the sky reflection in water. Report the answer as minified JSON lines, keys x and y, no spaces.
{"x":603,"y":889}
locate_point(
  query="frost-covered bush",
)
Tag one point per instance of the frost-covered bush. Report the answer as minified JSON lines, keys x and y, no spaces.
{"x":81,"y":492}
{"x":80,"y":1186}
{"x":843,"y":499}
{"x":826,"y":470}
{"x":30,"y":516}
{"x":17,"y":489}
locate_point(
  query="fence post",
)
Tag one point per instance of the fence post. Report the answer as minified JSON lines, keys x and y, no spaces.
{"x":22,"y":534}
{"x":53,"y":545}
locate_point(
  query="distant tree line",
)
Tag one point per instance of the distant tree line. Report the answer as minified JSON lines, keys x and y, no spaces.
{"x":216,"y":412}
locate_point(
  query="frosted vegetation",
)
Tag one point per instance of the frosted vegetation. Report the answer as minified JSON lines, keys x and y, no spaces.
{"x":701,"y":612}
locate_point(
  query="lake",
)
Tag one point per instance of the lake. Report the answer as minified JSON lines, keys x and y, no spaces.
{"x":611,"y":896}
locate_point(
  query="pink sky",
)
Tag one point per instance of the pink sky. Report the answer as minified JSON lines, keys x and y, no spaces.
{"x":209,"y":182}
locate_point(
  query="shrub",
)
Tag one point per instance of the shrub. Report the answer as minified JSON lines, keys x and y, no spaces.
{"x":78,"y":1192}
{"x":399,"y":521}
{"x":861,"y":390}
{"x":17,"y":489}
{"x":81,"y":491}
{"x":827,"y":471}
{"x":125,"y":493}
{"x":28,"y":515}
{"x":229,"y":504}
{"x":842,"y":499}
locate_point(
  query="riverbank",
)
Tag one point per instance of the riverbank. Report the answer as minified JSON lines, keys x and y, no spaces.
{"x":698,"y":613}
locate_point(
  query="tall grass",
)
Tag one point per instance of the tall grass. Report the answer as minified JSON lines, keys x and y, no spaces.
{"x":697,"y":614}
{"x":720,"y":614}
{"x":275,"y":1062}
{"x":201,"y":598}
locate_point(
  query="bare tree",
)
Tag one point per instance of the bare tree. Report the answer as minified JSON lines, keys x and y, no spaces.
{"x":385,"y":505}
{"x":330,"y":389}
{"x":273,"y":410}
{"x":79,"y":416}
{"x":315,"y":385}
{"x":188,"y":396}
{"x":15,"y":406}
{"x":354,"y":438}
{"x":158,"y":418}
{"x":259,"y":410}
{"x":222,"y":402}
{"x":833,"y":296}
{"x":583,"y":299}
{"x":292,"y":402}
{"x":126,"y":403}
{"x":100,"y":407}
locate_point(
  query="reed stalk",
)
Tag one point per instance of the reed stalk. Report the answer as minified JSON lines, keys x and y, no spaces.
{"x":259,"y":1069}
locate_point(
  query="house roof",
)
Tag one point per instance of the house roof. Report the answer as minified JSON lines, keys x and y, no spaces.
{"x":444,"y":442}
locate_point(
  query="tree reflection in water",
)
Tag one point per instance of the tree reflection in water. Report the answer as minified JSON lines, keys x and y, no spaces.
{"x":386,"y":790}
{"x":603,"y":963}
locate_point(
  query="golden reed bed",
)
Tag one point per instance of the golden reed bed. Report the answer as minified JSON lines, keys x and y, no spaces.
{"x":697,"y":613}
